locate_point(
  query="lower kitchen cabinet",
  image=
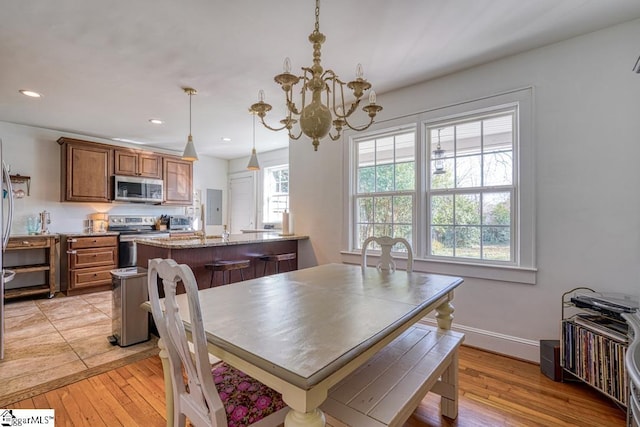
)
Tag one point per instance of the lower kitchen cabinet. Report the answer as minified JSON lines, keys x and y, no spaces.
{"x":33,"y":259}
{"x":87,"y":263}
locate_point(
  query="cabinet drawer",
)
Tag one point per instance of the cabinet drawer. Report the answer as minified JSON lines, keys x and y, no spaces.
{"x":92,"y":242}
{"x":84,"y":258}
{"x":28,"y":242}
{"x":90,"y":277}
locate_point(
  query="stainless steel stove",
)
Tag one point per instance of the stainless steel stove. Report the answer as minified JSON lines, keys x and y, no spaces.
{"x":132,"y":227}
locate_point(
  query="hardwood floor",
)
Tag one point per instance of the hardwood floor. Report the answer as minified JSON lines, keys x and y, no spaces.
{"x":494,"y":391}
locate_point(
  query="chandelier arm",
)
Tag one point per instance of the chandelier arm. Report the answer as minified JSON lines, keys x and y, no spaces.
{"x":354,"y":105}
{"x":295,"y":138}
{"x":269,"y":127}
{"x":359,"y":129}
{"x":335,"y":138}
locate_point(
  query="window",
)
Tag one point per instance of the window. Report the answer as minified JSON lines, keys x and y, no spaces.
{"x":471,"y":194}
{"x":276,"y":193}
{"x":385,"y":186}
{"x":456,"y":181}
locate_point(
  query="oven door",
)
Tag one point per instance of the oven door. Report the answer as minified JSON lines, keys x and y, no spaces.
{"x":127,"y":247}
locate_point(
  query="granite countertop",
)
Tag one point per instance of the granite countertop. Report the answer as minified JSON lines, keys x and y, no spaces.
{"x":26,"y":236}
{"x":234,"y":239}
{"x":83,"y":234}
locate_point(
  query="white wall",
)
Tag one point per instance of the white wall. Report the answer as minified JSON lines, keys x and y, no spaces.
{"x":35,"y":152}
{"x":587,"y":145}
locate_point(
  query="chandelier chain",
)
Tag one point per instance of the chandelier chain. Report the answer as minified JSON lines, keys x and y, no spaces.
{"x":317,"y":16}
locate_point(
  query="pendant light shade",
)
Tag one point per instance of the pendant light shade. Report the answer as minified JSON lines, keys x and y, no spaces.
{"x":253,"y":161}
{"x":190,"y":148}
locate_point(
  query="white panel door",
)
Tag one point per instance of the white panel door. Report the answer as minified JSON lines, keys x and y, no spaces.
{"x":242,"y":212}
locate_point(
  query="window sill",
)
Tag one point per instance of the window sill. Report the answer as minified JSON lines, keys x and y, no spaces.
{"x":500,"y":273}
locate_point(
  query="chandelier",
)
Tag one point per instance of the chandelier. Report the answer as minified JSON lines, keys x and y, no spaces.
{"x":317,"y":118}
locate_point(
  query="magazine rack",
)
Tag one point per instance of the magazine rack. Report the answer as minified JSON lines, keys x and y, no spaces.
{"x":593,"y":346}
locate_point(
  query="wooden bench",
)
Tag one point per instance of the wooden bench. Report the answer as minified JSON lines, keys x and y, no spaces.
{"x":389,"y":387}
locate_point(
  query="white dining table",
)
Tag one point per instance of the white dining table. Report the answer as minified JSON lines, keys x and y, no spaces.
{"x":303,"y":331}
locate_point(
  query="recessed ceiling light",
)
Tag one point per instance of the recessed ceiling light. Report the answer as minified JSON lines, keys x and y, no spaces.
{"x":156,"y":121}
{"x":225,"y":139}
{"x":30,"y":93}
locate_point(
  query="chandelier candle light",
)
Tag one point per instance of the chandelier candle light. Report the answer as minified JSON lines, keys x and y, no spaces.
{"x":317,"y":119}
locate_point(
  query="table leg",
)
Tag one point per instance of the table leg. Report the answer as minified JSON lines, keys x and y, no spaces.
{"x":168,"y":387}
{"x":444,"y":315}
{"x":315,"y":418}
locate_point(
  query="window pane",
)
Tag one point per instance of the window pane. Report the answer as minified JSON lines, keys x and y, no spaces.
{"x":403,"y":231}
{"x":405,"y":147}
{"x":442,"y":210}
{"x":405,"y":176}
{"x":366,"y":179}
{"x":366,"y":153}
{"x":498,"y":168}
{"x":467,"y":209}
{"x":445,"y":179}
{"x":498,"y":134}
{"x":382,"y":210}
{"x":468,"y":138}
{"x":467,"y":242}
{"x":381,"y":230}
{"x":468,"y":171}
{"x":496,"y":243}
{"x":442,"y":241}
{"x":364,"y":231}
{"x":365,"y":209}
{"x":496,"y":208}
{"x":385,"y":151}
{"x":402,"y":210}
{"x":384,"y":178}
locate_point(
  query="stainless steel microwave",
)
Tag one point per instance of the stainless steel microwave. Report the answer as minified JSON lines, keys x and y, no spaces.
{"x":136,"y":189}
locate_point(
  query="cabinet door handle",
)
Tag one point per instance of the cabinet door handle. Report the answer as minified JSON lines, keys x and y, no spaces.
{"x":72,"y":252}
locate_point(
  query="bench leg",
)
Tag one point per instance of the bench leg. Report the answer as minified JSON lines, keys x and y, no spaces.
{"x":315,"y":418}
{"x":449,"y":400}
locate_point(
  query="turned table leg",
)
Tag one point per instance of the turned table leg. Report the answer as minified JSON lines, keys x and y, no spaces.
{"x":444,"y":315}
{"x":314,"y":418}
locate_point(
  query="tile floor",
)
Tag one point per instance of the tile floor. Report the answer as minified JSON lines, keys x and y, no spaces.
{"x":48,"y":339}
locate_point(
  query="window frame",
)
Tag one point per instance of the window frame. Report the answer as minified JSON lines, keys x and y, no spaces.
{"x":266,"y":194}
{"x":523,"y":269}
{"x":512,"y":188}
{"x":356,"y":194}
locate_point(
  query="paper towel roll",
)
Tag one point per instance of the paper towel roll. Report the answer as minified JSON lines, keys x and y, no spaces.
{"x":285,"y":222}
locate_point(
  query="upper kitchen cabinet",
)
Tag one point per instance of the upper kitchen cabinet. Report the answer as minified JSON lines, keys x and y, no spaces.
{"x":178,"y":181}
{"x":86,"y":168}
{"x":137,"y":163}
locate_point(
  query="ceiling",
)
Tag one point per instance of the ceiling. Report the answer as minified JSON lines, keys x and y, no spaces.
{"x":105,"y":68}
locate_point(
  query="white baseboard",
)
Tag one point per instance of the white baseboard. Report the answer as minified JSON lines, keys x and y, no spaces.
{"x":519,"y":348}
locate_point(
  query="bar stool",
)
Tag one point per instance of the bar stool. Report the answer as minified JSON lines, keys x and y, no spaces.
{"x":277,"y":258}
{"x":228,"y":267}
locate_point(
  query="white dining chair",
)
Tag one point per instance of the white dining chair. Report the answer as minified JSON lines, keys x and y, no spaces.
{"x":386,"y":243}
{"x":209,"y":392}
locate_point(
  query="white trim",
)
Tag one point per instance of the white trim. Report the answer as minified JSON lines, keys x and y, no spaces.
{"x":500,"y":273}
{"x":509,"y":345}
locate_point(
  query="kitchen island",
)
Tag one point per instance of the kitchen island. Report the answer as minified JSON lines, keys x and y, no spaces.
{"x":196,"y":252}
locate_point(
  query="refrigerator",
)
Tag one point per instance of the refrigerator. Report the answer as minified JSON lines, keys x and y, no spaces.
{"x":6,"y":217}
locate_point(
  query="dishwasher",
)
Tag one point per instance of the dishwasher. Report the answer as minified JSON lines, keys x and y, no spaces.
{"x":130,"y":323}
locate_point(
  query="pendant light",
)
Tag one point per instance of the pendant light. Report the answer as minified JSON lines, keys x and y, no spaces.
{"x":253,"y":161}
{"x":190,"y":149}
{"x":438,"y":160}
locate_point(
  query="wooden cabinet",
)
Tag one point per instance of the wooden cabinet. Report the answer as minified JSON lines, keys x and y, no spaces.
{"x":33,"y":259}
{"x":137,"y":163}
{"x":86,"y":168}
{"x":178,"y":181}
{"x":87,"y":263}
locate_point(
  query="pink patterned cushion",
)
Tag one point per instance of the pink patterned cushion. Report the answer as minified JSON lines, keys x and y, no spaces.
{"x":245,"y":399}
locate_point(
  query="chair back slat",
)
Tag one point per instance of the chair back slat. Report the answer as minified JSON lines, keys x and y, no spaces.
{"x":199,"y":401}
{"x":386,"y":243}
